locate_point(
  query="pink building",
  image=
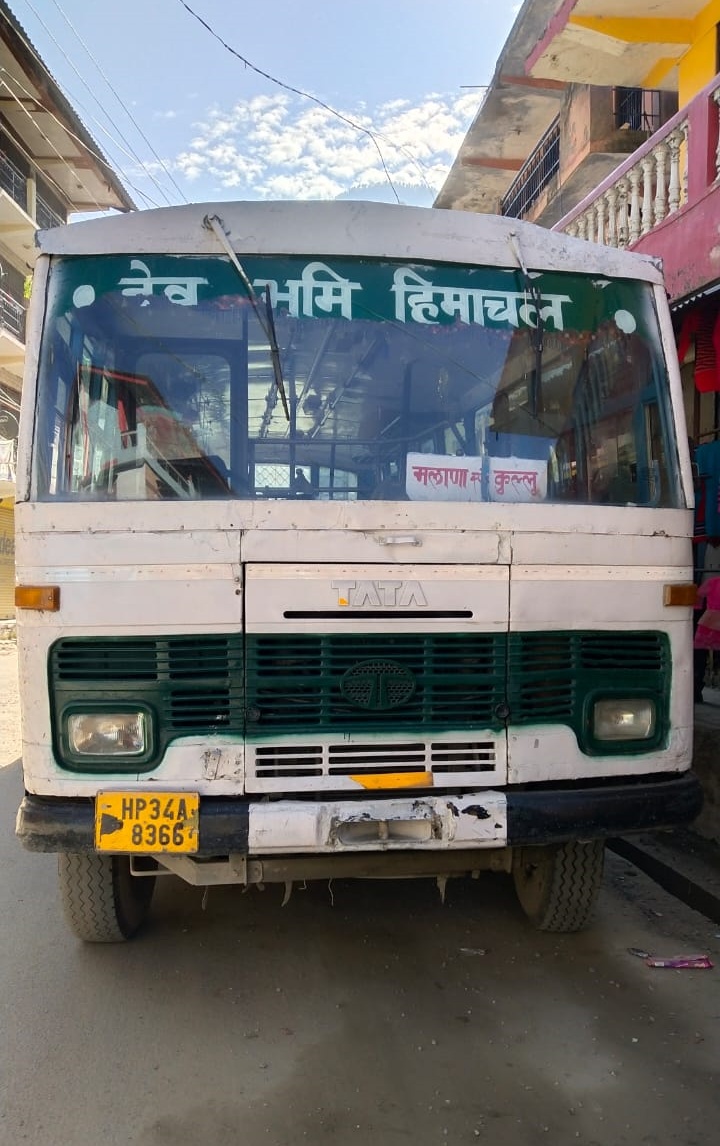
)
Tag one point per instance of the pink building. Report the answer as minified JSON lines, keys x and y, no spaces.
{"x":604,"y":124}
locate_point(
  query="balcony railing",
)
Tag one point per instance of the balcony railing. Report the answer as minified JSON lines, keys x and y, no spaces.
{"x":46,"y":216}
{"x":673,"y":168}
{"x":13,"y":180}
{"x":12,"y":315}
{"x":535,"y":175}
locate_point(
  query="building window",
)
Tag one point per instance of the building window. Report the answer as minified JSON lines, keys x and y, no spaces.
{"x":636,"y":109}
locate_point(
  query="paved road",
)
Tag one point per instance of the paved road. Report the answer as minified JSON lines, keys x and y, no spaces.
{"x":364,"y":1013}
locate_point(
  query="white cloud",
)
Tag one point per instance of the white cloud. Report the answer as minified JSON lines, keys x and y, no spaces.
{"x":280,"y":146}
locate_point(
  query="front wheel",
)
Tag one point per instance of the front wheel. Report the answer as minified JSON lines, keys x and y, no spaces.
{"x":102,"y":901}
{"x":557,"y":886}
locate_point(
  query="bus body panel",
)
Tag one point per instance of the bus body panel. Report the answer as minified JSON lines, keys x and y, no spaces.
{"x":372,"y":547}
{"x":522,"y":597}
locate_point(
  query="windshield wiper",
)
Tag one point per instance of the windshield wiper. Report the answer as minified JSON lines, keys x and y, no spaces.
{"x":536,"y":402}
{"x":275,"y":352}
{"x":215,"y":224}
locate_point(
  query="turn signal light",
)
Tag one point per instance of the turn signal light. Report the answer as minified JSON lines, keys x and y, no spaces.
{"x":44,"y":598}
{"x":685,"y":594}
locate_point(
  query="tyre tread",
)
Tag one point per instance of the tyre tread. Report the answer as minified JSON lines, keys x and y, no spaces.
{"x":562,"y":896}
{"x":92,"y":898}
{"x":574,"y":888}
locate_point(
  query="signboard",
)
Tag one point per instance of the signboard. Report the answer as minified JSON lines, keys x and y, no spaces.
{"x":407,"y":293}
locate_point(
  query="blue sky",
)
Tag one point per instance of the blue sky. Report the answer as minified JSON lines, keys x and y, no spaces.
{"x":183,"y":120}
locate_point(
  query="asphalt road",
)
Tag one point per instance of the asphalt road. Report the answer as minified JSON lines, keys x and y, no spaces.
{"x":359,"y":1013}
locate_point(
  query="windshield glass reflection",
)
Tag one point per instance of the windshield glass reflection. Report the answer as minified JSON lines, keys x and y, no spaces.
{"x":382,"y":380}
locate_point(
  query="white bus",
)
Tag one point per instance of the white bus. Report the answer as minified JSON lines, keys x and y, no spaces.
{"x":352,"y":541}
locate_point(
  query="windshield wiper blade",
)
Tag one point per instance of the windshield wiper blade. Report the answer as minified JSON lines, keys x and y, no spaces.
{"x":215,"y":224}
{"x":275,"y":353}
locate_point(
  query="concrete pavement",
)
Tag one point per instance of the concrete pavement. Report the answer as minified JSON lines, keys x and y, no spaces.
{"x":366,"y":1012}
{"x":706,"y":762}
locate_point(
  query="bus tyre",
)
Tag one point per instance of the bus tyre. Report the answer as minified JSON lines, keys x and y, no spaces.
{"x":102,"y":901}
{"x":557,"y":886}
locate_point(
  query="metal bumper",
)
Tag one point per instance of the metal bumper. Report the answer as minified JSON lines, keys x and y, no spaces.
{"x":491,"y":819}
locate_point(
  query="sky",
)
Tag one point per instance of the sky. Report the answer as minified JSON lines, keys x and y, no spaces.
{"x":183,"y":119}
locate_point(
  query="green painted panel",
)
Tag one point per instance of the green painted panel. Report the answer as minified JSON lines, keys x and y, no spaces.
{"x":300,"y":684}
{"x":426,"y":294}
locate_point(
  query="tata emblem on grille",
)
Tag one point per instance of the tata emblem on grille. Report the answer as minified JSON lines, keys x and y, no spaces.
{"x":379,"y":594}
{"x":378,"y":685}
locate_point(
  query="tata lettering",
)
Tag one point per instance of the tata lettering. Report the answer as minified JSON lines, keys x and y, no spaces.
{"x":376,"y":594}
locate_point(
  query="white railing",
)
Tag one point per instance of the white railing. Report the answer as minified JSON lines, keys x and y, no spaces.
{"x":640,"y":198}
{"x":651,"y":185}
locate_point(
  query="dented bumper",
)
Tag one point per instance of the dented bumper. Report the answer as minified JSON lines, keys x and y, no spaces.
{"x":489,"y":819}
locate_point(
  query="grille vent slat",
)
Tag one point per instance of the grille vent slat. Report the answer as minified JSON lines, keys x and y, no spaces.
{"x":296,"y":681}
{"x":272,"y":761}
{"x":443,"y":759}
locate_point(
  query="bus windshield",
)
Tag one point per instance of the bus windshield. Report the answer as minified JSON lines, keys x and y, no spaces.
{"x":349,"y":379}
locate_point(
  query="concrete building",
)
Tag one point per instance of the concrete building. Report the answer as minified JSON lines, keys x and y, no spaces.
{"x":50,"y":167}
{"x":602,"y":121}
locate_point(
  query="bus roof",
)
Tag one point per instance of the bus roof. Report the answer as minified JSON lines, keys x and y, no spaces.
{"x":374,"y":230}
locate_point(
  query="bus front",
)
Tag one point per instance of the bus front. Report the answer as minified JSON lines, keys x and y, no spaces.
{"x":348,"y":558}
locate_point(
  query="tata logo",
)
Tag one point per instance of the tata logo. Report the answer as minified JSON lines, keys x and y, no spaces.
{"x":378,"y":685}
{"x":379,"y":594}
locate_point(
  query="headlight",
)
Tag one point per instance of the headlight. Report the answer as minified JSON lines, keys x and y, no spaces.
{"x":107,"y":733}
{"x":629,"y":719}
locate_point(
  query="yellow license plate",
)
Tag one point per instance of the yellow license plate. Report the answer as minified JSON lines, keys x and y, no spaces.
{"x":146,"y":822}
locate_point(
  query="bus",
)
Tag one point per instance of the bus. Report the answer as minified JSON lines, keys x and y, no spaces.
{"x":353,"y":541}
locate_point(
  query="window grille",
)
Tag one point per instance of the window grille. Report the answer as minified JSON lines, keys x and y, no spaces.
{"x":540,"y":168}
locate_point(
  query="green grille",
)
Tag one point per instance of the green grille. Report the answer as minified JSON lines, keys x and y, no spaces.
{"x":555,"y":677}
{"x":300,"y":684}
{"x":190,"y":685}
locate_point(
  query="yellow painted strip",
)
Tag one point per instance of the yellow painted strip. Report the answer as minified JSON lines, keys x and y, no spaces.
{"x":378,"y":780}
{"x":636,"y":30}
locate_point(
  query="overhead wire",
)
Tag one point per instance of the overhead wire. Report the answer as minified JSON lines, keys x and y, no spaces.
{"x":24,"y":151}
{"x":127,"y":111}
{"x":61,"y":157}
{"x":94,"y":154}
{"x":295,"y":91}
{"x":131,"y":153}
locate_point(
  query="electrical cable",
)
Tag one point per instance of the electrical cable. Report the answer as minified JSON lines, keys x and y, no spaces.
{"x":131,"y":153}
{"x":295,"y":91}
{"x":36,"y":125}
{"x":94,"y":154}
{"x":129,"y":114}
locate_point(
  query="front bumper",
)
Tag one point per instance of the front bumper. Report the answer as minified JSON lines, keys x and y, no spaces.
{"x":490,"y":819}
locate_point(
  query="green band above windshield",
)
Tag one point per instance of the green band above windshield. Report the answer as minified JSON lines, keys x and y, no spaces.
{"x":410,"y":293}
